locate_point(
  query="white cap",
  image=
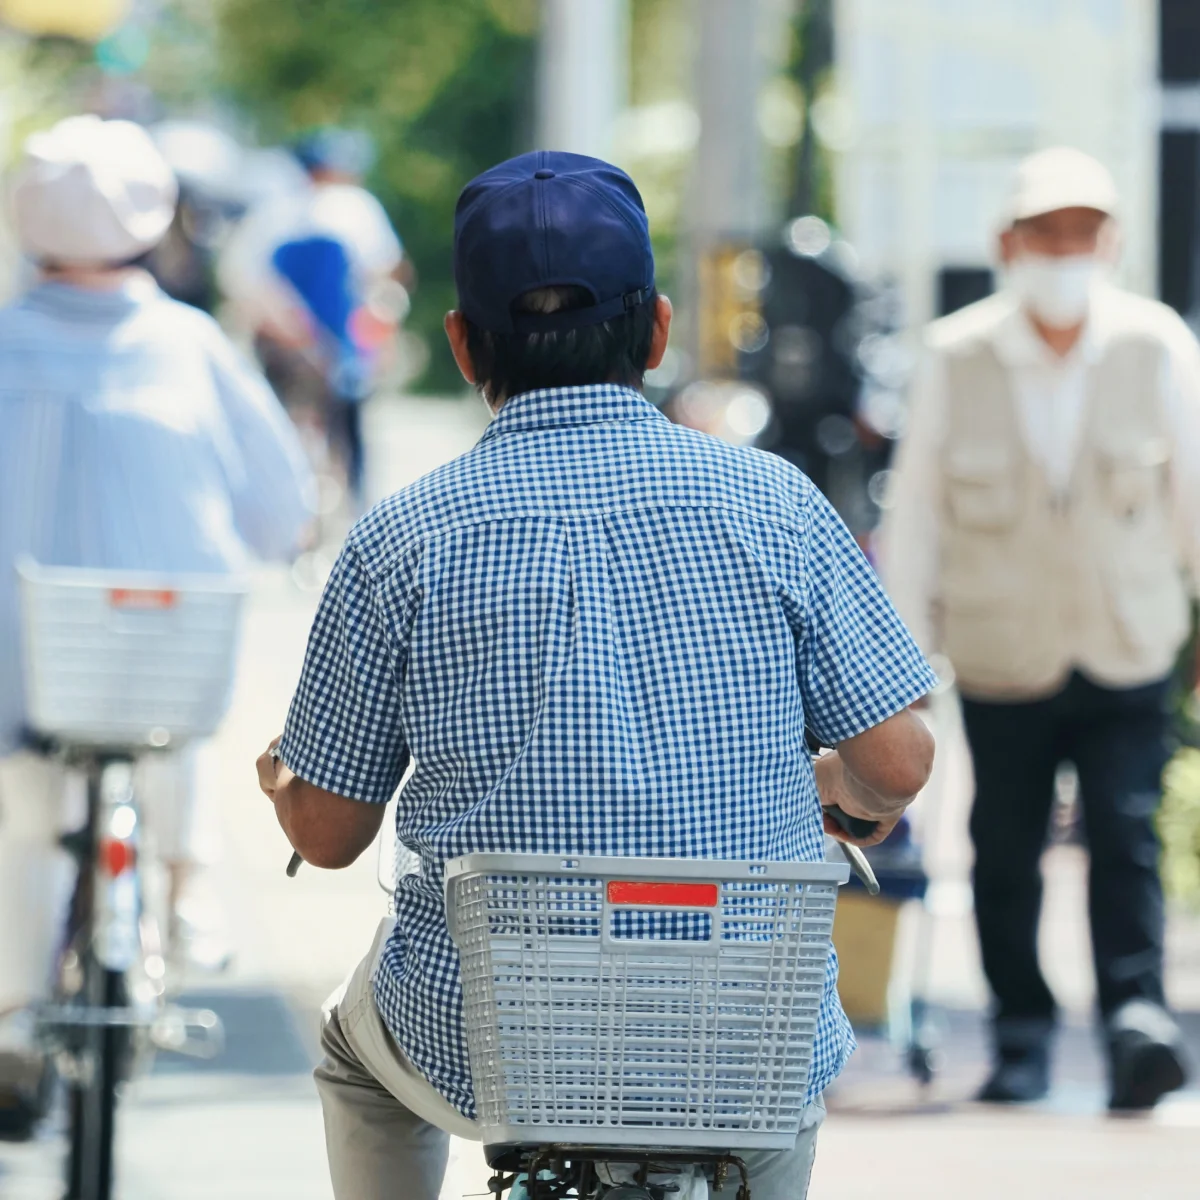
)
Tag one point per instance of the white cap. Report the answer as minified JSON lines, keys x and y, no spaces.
{"x":92,"y":193}
{"x":1061,"y":177}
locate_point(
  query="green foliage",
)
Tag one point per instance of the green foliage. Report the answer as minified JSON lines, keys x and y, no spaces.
{"x":446,"y":89}
{"x":1179,"y":827}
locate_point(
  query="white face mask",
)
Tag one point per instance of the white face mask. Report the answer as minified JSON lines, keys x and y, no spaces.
{"x":1056,"y":290}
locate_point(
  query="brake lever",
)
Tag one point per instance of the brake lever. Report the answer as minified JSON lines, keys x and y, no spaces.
{"x":861,"y":867}
{"x":856,"y":827}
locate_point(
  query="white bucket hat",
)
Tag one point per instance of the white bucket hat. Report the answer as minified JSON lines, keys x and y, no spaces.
{"x":91,"y":193}
{"x":1061,"y":177}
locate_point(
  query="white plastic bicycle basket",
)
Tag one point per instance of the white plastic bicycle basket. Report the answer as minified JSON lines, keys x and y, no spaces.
{"x":633,"y":1002}
{"x":122,"y":658}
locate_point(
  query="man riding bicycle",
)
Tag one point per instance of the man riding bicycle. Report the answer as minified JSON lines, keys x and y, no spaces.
{"x":132,"y":438}
{"x":596,"y":633}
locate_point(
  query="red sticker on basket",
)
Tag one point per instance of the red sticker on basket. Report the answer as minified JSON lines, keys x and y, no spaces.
{"x":663,"y":895}
{"x":142,"y":597}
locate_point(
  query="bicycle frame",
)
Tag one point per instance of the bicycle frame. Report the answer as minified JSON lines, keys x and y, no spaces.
{"x":570,"y":1172}
{"x":98,"y":697}
{"x":110,"y":1002}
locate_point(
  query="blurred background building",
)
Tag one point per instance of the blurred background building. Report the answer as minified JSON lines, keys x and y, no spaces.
{"x":895,"y":123}
{"x":936,"y":101}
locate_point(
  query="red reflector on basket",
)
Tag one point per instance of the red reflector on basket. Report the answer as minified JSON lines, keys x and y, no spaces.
{"x":117,"y":856}
{"x":665,"y":895}
{"x":142,"y":597}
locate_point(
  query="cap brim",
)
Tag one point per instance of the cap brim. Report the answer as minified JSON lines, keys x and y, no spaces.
{"x":1037,"y":204}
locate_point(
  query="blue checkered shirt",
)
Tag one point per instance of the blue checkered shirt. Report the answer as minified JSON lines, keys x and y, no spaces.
{"x":595,"y":633}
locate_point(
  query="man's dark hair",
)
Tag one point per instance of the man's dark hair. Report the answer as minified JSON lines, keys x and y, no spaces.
{"x":614,"y":351}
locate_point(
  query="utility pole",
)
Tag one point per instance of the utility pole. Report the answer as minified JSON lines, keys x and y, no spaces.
{"x":727,"y":202}
{"x":583,"y":75}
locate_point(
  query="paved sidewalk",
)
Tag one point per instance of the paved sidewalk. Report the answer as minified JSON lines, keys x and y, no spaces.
{"x":887,"y":1139}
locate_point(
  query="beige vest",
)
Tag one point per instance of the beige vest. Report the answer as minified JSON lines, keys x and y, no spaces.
{"x":1034,"y":584}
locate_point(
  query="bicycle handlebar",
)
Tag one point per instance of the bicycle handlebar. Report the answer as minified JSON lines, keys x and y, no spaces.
{"x":856,"y":827}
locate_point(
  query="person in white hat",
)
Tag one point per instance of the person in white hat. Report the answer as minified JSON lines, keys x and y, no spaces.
{"x":1044,"y":535}
{"x":132,"y":437}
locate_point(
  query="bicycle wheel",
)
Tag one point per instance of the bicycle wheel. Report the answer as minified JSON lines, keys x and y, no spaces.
{"x":92,"y":1101}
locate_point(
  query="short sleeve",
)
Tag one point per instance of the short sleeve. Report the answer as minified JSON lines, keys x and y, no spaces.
{"x":343,"y":731}
{"x":857,"y":662}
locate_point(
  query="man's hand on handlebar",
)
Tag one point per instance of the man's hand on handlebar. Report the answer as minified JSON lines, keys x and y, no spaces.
{"x":268,"y":771}
{"x":327,"y":829}
{"x":875,"y":775}
{"x":834,"y":790}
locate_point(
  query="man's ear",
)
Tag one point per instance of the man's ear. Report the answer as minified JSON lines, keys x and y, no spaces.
{"x":1007,"y":245}
{"x":662,"y":331}
{"x":455,"y":325}
{"x":1110,"y":242}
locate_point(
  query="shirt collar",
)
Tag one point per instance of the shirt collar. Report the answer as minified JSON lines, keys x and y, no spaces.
{"x":77,"y":303}
{"x":550,"y":408}
{"x":1018,"y":344}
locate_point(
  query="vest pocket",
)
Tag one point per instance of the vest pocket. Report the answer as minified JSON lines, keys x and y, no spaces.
{"x":982,"y":488}
{"x":1132,"y":477}
{"x":1149,"y":602}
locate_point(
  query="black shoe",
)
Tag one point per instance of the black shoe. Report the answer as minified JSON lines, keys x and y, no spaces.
{"x":1019,"y":1077}
{"x":1143,"y":1072}
{"x":1145,"y":1057}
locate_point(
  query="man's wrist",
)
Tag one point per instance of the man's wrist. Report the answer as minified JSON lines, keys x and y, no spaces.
{"x":869,"y":804}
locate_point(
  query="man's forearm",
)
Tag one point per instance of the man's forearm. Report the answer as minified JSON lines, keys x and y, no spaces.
{"x":875,"y":803}
{"x":877,"y":774}
{"x":838,"y":785}
{"x":326,"y":829}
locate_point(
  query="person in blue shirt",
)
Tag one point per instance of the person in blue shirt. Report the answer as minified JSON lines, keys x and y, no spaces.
{"x":132,"y":437}
{"x":318,"y":274}
{"x":595,"y":633}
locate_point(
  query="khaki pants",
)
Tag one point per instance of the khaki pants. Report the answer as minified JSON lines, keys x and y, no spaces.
{"x":388,"y":1131}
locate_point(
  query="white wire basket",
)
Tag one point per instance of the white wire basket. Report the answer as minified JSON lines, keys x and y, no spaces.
{"x":127,"y":659}
{"x":634,"y":1002}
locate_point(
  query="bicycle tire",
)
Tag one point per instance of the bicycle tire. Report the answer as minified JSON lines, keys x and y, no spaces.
{"x":92,"y":1104}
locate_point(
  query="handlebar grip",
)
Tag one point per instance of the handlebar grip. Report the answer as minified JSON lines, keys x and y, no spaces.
{"x":294,"y":864}
{"x":856,"y":827}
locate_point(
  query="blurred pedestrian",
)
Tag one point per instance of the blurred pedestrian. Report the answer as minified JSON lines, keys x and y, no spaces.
{"x":134,"y":438}
{"x":314,"y":273}
{"x":1045,"y":515}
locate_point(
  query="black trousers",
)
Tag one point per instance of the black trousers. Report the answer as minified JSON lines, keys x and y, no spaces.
{"x":1116,"y":739}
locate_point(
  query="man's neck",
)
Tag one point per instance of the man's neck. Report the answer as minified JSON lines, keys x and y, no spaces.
{"x":1060,"y":341}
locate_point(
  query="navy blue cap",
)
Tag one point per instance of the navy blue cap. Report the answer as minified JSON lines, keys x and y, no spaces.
{"x":549,"y":219}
